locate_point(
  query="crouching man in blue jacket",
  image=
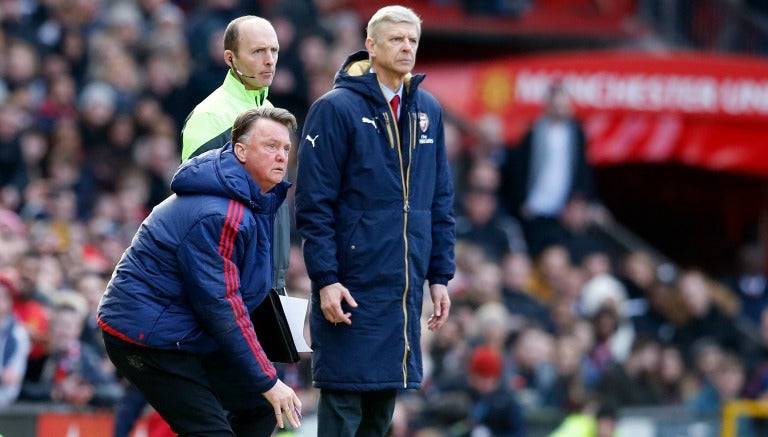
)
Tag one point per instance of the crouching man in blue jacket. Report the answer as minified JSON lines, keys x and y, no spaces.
{"x":175,"y":315}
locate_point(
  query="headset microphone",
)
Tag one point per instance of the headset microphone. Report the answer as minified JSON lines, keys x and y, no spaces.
{"x":237,"y":70}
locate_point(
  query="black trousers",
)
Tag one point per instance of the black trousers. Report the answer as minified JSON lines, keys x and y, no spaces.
{"x":196,"y":395}
{"x":355,"y":414}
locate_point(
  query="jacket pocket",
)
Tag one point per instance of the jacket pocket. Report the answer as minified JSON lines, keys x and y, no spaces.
{"x":375,"y":250}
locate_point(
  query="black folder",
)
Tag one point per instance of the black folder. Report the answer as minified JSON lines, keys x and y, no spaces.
{"x":273,"y":331}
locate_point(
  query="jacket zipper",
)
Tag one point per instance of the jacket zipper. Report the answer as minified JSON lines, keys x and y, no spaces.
{"x":405,"y":175}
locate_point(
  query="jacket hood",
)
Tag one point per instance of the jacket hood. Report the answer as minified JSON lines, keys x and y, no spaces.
{"x":355,"y":74}
{"x":218,"y":173}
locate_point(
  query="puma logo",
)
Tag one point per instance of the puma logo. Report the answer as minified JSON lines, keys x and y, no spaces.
{"x":312,"y":140}
{"x":372,"y":122}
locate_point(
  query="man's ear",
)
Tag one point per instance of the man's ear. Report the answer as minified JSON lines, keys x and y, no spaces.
{"x":228,"y":57}
{"x":240,"y":152}
{"x":369,"y":46}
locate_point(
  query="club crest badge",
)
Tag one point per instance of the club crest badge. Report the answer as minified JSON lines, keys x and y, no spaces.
{"x":423,"y":121}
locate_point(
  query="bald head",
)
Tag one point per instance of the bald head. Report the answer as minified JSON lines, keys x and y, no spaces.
{"x":250,"y":50}
{"x":232,"y":32}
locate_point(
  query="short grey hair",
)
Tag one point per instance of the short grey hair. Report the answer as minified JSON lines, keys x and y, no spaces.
{"x":245,"y":121}
{"x":392,"y":14}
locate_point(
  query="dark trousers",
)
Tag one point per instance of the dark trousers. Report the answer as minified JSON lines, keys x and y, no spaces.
{"x":128,"y":411}
{"x":355,"y":414}
{"x":197,"y":396}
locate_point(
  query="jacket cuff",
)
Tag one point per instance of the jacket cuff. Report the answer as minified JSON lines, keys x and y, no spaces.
{"x":324,"y":278}
{"x":270,"y":384}
{"x":440,"y":279}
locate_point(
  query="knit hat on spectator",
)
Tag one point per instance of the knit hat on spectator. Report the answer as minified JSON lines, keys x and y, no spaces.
{"x":601,"y":290}
{"x":485,"y":361}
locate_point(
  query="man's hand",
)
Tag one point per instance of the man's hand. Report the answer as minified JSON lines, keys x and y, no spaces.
{"x":330,"y":303}
{"x":442,"y":306}
{"x":285,"y":402}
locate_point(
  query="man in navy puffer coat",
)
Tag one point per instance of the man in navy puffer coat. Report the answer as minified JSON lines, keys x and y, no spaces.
{"x":175,"y":315}
{"x":374,"y":201}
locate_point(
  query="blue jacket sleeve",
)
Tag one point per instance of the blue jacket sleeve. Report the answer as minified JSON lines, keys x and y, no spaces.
{"x":209,"y":257}
{"x":321,"y":158}
{"x":442,"y":263}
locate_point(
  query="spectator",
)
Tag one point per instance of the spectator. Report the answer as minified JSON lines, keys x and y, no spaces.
{"x":71,"y":372}
{"x":706,"y":355}
{"x":492,"y":326}
{"x":530,"y":371}
{"x":448,"y":352}
{"x":483,"y":286}
{"x":727,"y":384}
{"x":14,"y":346}
{"x":454,"y":148}
{"x":13,"y":239}
{"x":91,"y":286}
{"x":481,"y":221}
{"x":97,"y":105}
{"x":750,"y":283}
{"x":490,"y":145}
{"x":156,"y":155}
{"x":571,"y":390}
{"x":638,"y":273}
{"x":34,"y":148}
{"x":704,"y":318}
{"x":31,"y":306}
{"x":602,"y":302}
{"x":652,"y":318}
{"x":493,"y":408}
{"x":58,"y":103}
{"x":516,"y":293}
{"x":580,"y":234}
{"x":551,"y":269}
{"x":596,"y":263}
{"x":633,"y":382}
{"x":546,"y":171}
{"x":676,"y":383}
{"x":11,"y":159}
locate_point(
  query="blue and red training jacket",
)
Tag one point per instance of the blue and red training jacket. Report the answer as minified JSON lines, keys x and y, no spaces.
{"x":198,"y":265}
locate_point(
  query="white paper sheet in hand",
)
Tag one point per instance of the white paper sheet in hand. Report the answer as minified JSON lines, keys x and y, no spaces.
{"x":295,"y":310}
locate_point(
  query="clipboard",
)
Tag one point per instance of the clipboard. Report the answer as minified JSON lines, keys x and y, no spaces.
{"x":273,"y":331}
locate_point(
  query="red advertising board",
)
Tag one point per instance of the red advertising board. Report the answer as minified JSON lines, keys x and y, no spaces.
{"x":93,"y":425}
{"x":74,"y":425}
{"x":697,"y":109}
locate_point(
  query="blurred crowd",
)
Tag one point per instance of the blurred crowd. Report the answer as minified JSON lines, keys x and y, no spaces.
{"x":547,"y":314}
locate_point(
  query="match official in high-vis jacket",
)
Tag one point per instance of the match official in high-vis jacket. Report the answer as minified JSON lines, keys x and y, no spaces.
{"x":250,"y":50}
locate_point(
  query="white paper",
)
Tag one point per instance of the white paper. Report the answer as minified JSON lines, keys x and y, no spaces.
{"x":295,"y":310}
